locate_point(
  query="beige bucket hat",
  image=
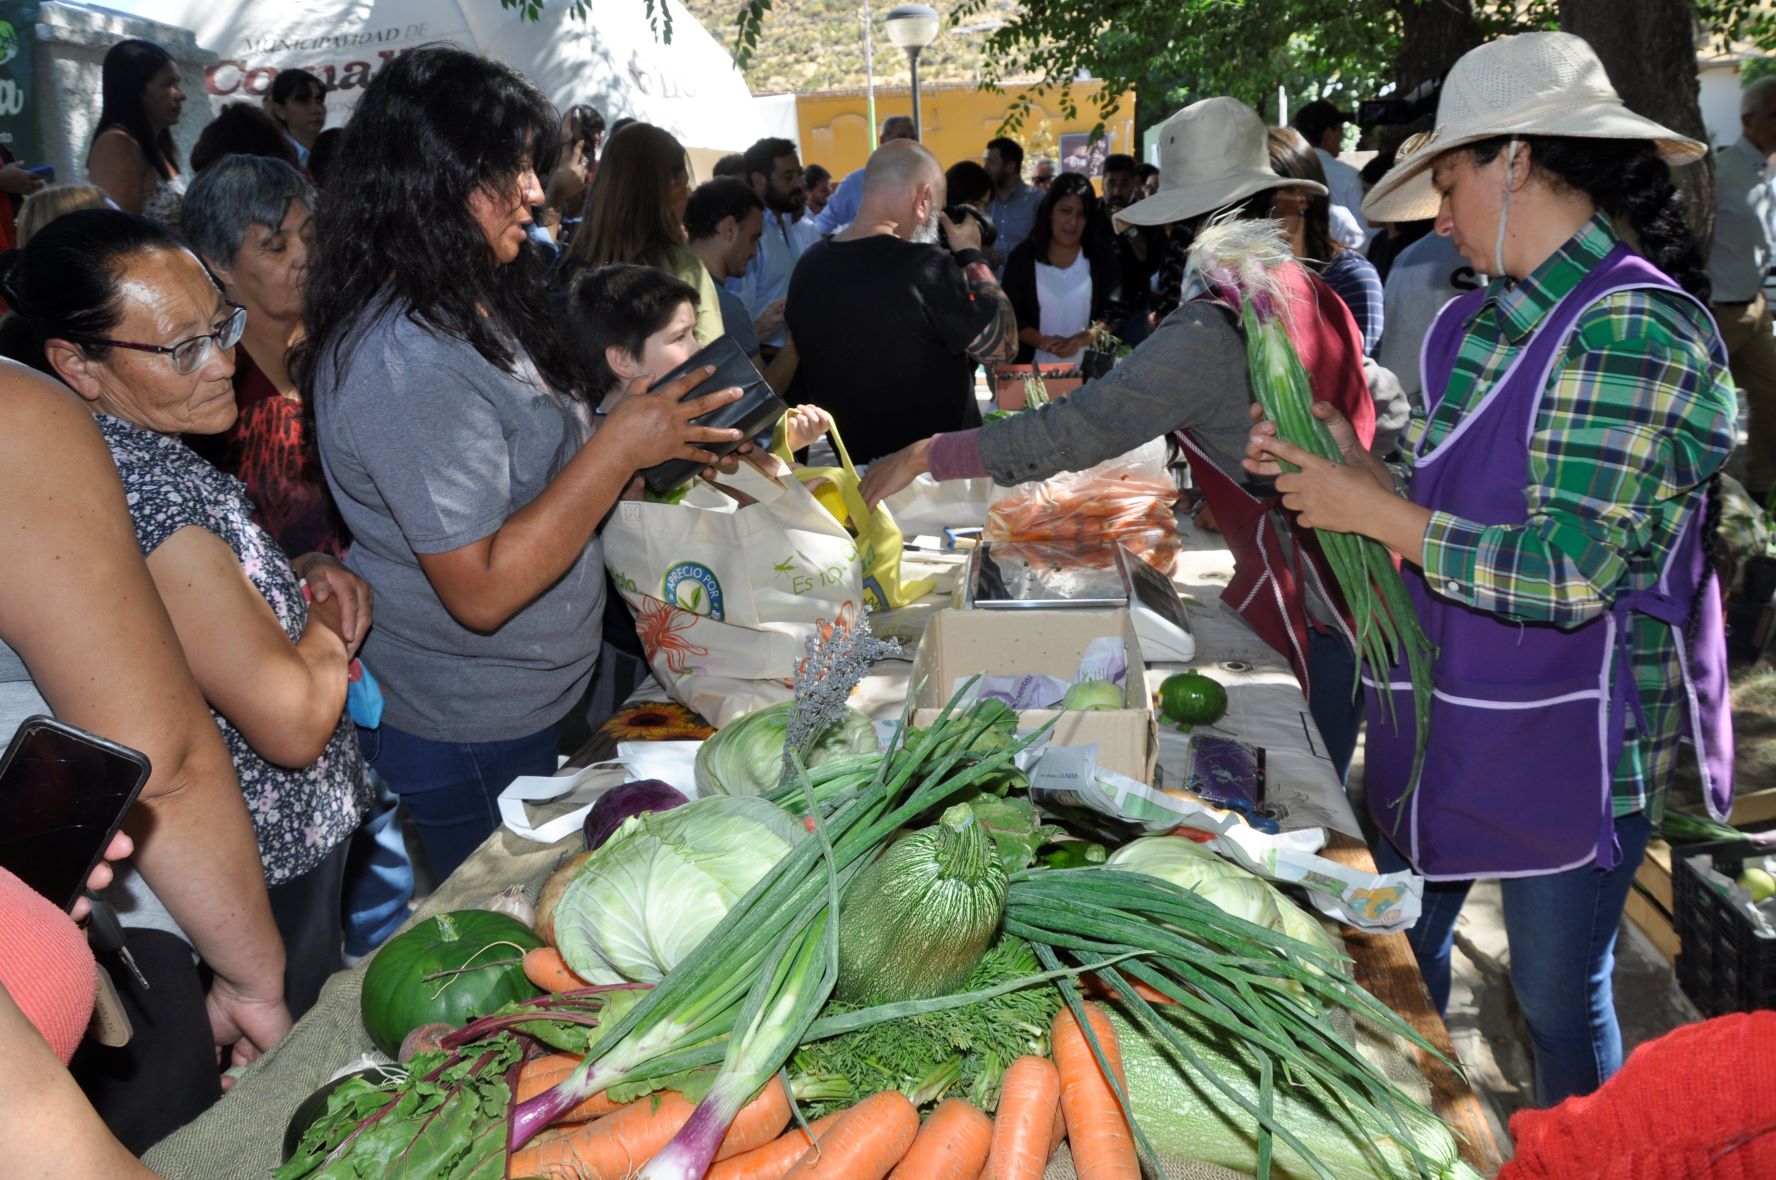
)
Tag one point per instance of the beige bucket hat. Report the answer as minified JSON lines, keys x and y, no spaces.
{"x":1529,"y":84}
{"x":1211,"y":154}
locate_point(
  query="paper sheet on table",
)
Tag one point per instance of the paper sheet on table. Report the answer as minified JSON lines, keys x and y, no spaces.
{"x":1070,"y":776}
{"x":673,"y":763}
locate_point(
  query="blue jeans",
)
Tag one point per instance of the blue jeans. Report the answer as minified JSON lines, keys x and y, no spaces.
{"x":452,"y":788}
{"x":1337,"y":709}
{"x":378,"y":873}
{"x":1562,"y":931}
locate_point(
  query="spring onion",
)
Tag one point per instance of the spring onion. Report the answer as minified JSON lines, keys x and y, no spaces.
{"x":1241,"y":261}
{"x":1263,"y":990}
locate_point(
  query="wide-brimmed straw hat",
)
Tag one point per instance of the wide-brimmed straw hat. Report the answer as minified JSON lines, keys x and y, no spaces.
{"x":1529,"y":84}
{"x":1212,"y":154}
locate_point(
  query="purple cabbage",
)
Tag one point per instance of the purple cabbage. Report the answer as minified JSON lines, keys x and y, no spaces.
{"x":619,"y":803}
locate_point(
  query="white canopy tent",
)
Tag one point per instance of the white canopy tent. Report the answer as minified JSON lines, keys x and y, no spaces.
{"x":610,"y":58}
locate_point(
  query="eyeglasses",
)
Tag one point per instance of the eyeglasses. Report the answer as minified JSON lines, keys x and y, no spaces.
{"x":189,"y":355}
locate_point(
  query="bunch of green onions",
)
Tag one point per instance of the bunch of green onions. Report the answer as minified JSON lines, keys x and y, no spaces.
{"x":1240,"y":260}
{"x":763,"y":974}
{"x":1266,"y":991}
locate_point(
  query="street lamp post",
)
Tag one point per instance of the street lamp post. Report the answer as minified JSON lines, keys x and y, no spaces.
{"x":913,"y":27}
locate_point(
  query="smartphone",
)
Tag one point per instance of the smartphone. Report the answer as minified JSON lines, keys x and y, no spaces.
{"x":63,"y":795}
{"x":46,"y":171}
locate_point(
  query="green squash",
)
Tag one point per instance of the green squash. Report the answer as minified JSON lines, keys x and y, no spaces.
{"x":914,"y":924}
{"x":450,"y":968}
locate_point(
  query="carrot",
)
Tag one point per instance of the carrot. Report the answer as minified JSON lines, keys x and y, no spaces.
{"x":1098,"y":989}
{"x":1103,"y":1145}
{"x":774,"y":1160}
{"x":545,"y":967}
{"x":952,"y":1145}
{"x":614,"y":1147}
{"x":866,"y":1142}
{"x":1058,"y":1132}
{"x":543,"y":1073}
{"x":1029,"y":1102}
{"x":759,"y":1121}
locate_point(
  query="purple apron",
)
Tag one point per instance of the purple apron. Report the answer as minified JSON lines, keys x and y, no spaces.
{"x":1529,"y":720}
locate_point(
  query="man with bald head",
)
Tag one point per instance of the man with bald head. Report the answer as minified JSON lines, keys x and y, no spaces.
{"x":889,"y":321}
{"x":841,"y":207}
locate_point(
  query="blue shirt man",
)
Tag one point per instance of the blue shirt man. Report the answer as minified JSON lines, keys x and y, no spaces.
{"x":841,"y":208}
{"x":1014,"y":203}
{"x":775,"y":173}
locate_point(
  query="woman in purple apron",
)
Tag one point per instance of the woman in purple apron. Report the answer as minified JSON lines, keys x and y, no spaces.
{"x":1554,"y":517}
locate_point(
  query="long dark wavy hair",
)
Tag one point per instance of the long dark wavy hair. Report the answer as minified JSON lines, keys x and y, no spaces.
{"x":129,"y":67}
{"x":1628,"y":181}
{"x":434,"y":127}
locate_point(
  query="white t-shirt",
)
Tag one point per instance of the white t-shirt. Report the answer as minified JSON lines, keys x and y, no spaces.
{"x":1346,"y":184}
{"x":1065,"y":296}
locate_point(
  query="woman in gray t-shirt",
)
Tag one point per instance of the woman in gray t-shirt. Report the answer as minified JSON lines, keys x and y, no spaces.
{"x":456,"y":439}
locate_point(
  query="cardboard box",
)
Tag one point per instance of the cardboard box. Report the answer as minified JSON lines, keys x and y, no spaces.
{"x":959,"y":644}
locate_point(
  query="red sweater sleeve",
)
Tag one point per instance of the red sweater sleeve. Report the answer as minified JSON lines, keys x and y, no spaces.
{"x":956,"y":456}
{"x":45,"y":965}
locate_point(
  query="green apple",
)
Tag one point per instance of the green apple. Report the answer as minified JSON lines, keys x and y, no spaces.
{"x":1758,"y":882}
{"x":1093,"y":696}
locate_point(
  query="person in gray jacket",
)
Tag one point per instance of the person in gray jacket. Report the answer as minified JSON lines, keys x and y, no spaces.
{"x":1190,"y":375}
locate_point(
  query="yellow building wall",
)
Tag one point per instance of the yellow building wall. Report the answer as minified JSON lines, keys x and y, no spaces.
{"x":957,"y":122}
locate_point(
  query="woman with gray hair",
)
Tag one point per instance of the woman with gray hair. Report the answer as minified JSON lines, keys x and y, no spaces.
{"x":248,"y":218}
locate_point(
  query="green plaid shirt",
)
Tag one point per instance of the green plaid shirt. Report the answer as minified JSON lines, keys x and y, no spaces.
{"x":1635,"y":419}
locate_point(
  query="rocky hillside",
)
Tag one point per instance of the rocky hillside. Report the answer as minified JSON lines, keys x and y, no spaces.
{"x":818,"y":44}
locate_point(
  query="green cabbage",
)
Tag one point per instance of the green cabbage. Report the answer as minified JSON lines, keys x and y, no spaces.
{"x":662,"y":881}
{"x":1183,"y":862}
{"x":1192,"y":867}
{"x":746,"y":756}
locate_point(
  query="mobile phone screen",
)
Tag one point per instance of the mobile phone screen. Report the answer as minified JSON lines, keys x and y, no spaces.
{"x":63,"y":794}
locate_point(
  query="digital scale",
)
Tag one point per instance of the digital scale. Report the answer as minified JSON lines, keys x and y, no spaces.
{"x":1007,"y":575}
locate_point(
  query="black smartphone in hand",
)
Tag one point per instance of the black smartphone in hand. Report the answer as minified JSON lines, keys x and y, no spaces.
{"x":64,"y":792}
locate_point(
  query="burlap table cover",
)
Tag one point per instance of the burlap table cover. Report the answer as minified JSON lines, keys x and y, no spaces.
{"x":242,"y":1135}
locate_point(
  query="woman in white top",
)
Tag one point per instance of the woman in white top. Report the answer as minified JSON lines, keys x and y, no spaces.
{"x":132,"y":157}
{"x":1064,"y":280}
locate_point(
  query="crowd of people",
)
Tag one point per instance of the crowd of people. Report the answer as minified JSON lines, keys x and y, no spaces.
{"x":304,"y":456}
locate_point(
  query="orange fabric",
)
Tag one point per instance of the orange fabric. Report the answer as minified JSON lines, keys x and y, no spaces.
{"x":1699,"y":1103}
{"x":45,"y":965}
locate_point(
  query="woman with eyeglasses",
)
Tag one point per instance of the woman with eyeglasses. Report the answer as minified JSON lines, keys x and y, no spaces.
{"x":131,"y":321}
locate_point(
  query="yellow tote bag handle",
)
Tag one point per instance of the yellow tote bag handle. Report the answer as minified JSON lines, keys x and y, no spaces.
{"x":878,"y":537}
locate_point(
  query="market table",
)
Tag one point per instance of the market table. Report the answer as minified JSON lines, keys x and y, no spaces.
{"x":240,"y":1136}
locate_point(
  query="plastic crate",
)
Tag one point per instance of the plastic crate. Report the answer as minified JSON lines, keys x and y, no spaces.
{"x":1725,"y":964}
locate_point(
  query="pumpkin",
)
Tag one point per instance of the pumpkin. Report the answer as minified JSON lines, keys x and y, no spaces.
{"x":450,"y":968}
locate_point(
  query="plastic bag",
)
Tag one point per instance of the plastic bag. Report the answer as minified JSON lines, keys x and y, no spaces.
{"x":1127,"y":499}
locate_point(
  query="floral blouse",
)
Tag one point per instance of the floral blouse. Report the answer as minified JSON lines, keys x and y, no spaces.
{"x":298,"y":815}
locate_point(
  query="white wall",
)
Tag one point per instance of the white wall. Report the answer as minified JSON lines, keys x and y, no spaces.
{"x":1719,"y":99}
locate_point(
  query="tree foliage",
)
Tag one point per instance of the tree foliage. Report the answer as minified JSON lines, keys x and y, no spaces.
{"x":1172,"y":52}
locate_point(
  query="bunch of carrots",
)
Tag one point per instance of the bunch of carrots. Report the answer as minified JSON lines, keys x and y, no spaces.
{"x":1075,"y":508}
{"x":1042,"y":1102}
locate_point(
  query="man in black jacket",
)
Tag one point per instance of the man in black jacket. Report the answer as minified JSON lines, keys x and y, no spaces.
{"x":889,"y":322}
